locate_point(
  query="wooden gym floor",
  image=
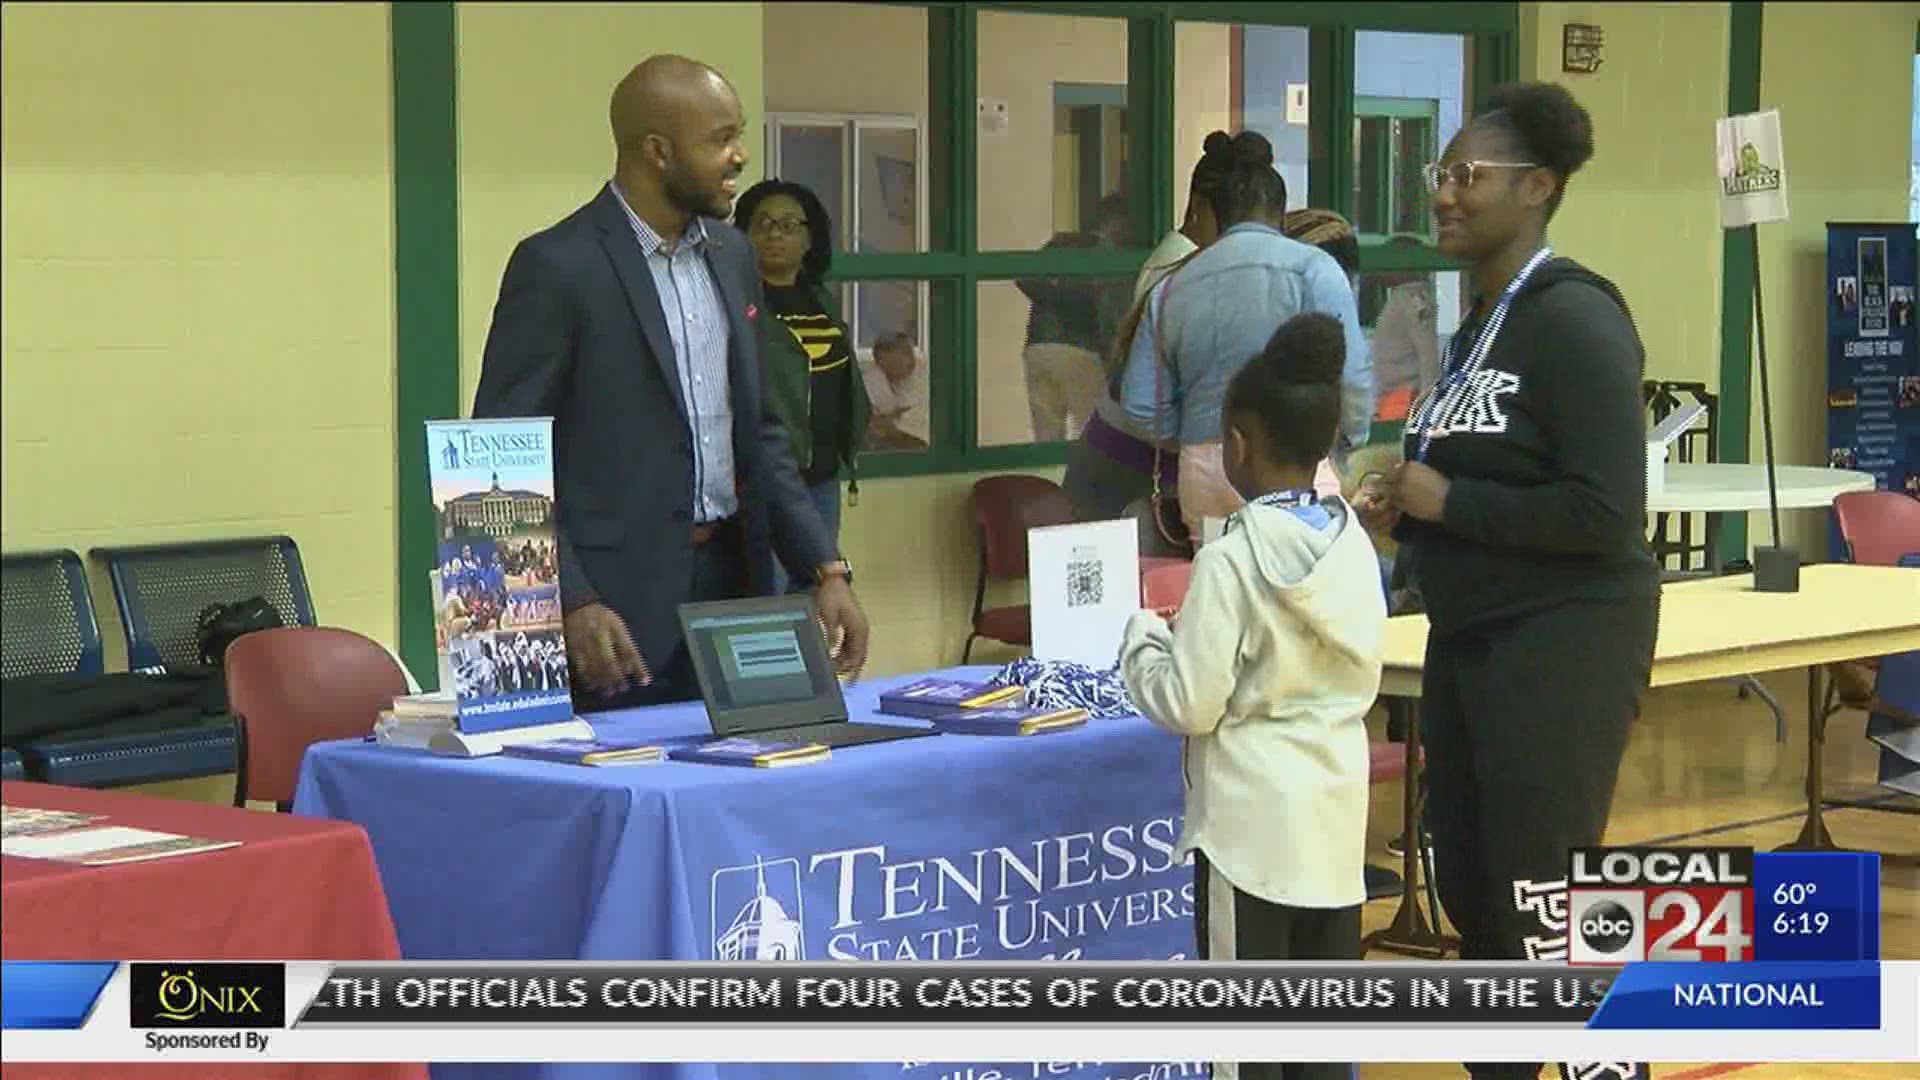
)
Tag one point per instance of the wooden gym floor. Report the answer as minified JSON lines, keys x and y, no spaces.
{"x":1703,"y":767}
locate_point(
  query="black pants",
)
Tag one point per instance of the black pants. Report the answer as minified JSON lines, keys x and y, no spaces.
{"x":1231,"y":925}
{"x":1524,"y":725}
{"x":719,"y":573}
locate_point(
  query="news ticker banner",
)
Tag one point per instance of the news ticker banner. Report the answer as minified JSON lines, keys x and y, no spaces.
{"x":741,"y":1012}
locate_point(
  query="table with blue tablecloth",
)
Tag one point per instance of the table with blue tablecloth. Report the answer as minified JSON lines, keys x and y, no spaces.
{"x":1056,"y":846}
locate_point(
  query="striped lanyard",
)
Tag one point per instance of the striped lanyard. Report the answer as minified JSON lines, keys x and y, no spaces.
{"x":1445,"y":401}
{"x":1295,"y":500}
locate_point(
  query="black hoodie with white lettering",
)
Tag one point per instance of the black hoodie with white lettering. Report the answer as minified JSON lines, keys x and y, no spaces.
{"x":1544,"y":451}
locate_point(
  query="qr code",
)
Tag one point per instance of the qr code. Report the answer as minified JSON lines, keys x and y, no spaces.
{"x":1084,"y":584}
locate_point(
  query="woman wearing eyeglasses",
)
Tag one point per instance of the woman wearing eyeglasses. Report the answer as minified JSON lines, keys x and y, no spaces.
{"x":811,"y":376}
{"x":1521,"y":506}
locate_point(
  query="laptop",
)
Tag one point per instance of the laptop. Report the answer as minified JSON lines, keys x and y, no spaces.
{"x":765,"y":672}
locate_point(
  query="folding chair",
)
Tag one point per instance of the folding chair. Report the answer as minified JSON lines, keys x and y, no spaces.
{"x":161,"y":589}
{"x":1004,"y":508}
{"x":46,"y":616}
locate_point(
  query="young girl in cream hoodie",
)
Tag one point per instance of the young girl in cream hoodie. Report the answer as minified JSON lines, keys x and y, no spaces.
{"x":1269,"y":674}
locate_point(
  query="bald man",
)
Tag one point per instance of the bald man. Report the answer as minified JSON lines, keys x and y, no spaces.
{"x":635,"y":324}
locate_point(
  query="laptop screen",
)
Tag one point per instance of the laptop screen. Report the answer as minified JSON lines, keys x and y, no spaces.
{"x":762,"y":663}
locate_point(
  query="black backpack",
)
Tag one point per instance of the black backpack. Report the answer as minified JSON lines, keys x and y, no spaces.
{"x":221,"y":624}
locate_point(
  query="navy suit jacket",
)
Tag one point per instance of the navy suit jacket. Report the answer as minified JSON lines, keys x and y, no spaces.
{"x":579,"y":335}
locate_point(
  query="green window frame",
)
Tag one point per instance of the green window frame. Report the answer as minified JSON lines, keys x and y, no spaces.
{"x":956,"y":266}
{"x":1376,"y":148}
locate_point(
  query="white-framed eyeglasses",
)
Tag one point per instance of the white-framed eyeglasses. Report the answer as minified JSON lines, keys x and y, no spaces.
{"x":1463,"y":173}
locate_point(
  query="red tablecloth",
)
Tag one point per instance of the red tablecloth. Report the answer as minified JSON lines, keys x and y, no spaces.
{"x":295,"y":889}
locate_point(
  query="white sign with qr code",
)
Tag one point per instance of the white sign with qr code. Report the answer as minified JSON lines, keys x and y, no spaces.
{"x":1084,"y":583}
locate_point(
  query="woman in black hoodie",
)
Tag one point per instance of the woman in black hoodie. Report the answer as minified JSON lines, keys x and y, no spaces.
{"x":1521,"y":506}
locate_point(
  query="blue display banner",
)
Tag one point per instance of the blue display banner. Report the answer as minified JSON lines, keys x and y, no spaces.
{"x":1819,"y":906}
{"x":1873,"y":370}
{"x":1757,"y":996}
{"x":50,"y":995}
{"x":497,"y":612}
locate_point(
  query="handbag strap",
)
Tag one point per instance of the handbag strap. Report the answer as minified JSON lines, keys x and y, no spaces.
{"x":1162,"y":365}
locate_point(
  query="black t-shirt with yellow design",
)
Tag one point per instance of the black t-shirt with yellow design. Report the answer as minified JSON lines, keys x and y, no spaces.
{"x":830,"y":373}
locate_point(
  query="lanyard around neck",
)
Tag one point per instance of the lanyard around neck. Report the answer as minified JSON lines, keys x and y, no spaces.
{"x":1292,"y":499}
{"x":1436,"y":412}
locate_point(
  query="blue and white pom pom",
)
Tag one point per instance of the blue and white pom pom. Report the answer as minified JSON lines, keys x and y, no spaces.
{"x":1062,"y":684}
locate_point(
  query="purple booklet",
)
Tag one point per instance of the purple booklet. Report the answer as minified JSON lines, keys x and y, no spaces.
{"x":592,"y":751}
{"x":751,"y":753}
{"x":936,"y":699}
{"x":1013,"y":721}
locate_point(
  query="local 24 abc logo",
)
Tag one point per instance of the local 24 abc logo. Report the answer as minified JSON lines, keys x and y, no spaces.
{"x":1625,"y":905}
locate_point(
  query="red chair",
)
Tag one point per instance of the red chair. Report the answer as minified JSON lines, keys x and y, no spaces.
{"x":1163,"y":582}
{"x":1004,"y":508}
{"x":1878,"y":526}
{"x":296,"y":686}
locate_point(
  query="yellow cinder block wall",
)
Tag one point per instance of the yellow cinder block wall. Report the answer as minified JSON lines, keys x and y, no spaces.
{"x":1842,"y":77}
{"x":534,"y":81}
{"x":1643,"y":211}
{"x":198,"y":286}
{"x":198,"y":259}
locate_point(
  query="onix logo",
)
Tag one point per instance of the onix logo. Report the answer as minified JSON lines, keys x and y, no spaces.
{"x":207,"y":996}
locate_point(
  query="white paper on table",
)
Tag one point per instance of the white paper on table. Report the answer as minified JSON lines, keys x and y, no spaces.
{"x":1083,"y":583}
{"x":110,"y":844}
{"x":1750,"y":160}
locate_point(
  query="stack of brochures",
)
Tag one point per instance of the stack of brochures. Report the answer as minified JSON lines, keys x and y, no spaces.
{"x":414,"y":720}
{"x":752,"y":753}
{"x":931,"y":699}
{"x":600,"y":752}
{"x":963,"y":708}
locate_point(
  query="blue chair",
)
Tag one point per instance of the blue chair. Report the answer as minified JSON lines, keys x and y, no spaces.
{"x":47,"y":625}
{"x":161,"y":589}
{"x":211,"y":748}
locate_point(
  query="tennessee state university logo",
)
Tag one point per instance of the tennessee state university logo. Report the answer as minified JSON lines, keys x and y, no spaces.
{"x":1474,"y":406}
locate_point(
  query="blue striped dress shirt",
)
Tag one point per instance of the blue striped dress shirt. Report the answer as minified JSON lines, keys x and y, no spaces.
{"x":697,"y":322}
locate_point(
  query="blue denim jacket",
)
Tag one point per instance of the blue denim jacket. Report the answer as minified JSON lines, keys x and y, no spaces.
{"x":1218,"y":312}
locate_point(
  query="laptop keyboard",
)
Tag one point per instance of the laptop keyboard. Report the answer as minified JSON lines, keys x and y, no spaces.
{"x":848,"y":734}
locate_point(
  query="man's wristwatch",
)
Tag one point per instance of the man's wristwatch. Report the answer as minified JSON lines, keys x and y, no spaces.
{"x":841,"y":569}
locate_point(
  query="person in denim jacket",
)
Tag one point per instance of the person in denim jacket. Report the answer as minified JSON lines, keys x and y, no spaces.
{"x":1206,"y":320}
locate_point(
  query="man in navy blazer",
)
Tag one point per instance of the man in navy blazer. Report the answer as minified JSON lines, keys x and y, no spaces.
{"x":635,"y":323}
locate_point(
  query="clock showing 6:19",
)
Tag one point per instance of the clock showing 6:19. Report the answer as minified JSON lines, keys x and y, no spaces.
{"x":1801,"y":923}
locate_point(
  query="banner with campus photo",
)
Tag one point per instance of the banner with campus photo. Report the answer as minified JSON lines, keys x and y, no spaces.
{"x":1873,"y":355}
{"x":497,"y":612}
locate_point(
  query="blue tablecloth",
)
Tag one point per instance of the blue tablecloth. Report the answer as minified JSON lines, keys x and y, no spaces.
{"x":1056,"y":846}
